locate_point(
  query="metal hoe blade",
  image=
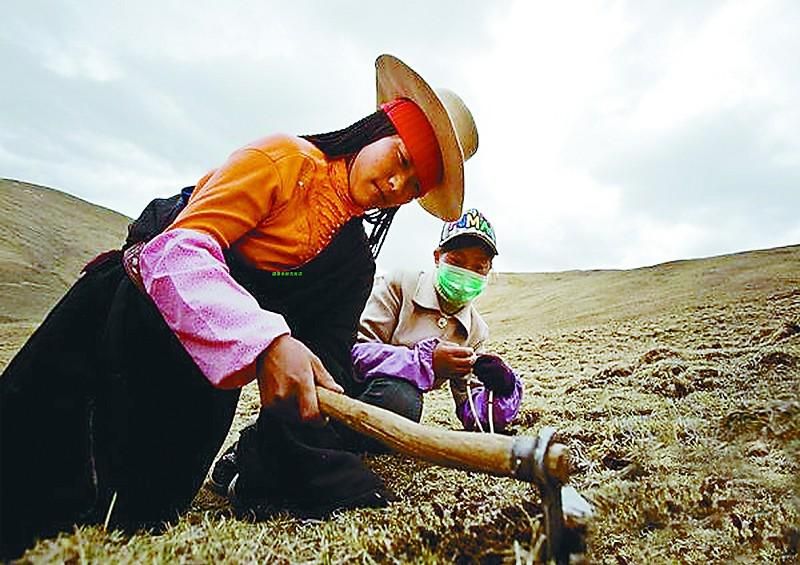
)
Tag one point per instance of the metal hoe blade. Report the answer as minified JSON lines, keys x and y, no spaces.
{"x":550,"y":491}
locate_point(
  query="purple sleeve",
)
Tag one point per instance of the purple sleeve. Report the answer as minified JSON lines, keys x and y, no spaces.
{"x":219,"y":323}
{"x":504,"y":408}
{"x":414,"y":364}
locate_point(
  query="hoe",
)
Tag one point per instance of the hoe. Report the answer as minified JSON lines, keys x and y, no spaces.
{"x":538,"y":460}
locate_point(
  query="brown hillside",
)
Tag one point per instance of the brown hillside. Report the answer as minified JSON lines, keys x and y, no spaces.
{"x":46,"y":236}
{"x":676,"y":387}
{"x":518,"y":303}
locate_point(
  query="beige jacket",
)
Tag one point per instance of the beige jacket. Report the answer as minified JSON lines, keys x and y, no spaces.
{"x":403,"y":309}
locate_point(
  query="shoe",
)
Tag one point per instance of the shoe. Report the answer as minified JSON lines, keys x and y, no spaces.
{"x":261,"y":506}
{"x":249,"y":503}
{"x":223,"y":472}
{"x":275,"y":465}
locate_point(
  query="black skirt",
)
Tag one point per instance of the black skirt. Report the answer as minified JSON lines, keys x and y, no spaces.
{"x":102,"y":400}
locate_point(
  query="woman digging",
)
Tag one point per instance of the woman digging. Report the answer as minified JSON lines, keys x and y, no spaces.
{"x":115,"y":407}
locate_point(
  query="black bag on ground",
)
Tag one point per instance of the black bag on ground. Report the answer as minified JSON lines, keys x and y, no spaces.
{"x":300,"y":468}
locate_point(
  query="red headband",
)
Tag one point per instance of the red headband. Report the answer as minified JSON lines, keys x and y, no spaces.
{"x":416,"y":132}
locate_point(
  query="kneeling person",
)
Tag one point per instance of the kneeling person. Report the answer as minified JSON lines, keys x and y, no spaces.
{"x":417,"y":331}
{"x":421,"y":329}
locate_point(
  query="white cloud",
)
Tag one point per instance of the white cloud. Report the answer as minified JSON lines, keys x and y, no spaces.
{"x":619,"y":132}
{"x":658,"y":242}
{"x":612,"y":133}
{"x":80,"y":61}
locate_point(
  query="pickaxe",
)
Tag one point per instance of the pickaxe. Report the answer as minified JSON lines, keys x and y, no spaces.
{"x":538,"y":460}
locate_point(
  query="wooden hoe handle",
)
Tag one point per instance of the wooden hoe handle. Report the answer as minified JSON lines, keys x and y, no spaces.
{"x":486,"y":453}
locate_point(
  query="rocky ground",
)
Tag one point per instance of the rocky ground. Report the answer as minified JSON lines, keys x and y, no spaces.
{"x":675,"y":386}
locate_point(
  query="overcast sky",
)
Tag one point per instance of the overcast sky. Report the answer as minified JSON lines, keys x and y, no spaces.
{"x":612,"y":134}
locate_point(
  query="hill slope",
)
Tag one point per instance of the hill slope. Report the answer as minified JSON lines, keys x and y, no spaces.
{"x":524,"y":302}
{"x":676,"y":387}
{"x":46,"y":236}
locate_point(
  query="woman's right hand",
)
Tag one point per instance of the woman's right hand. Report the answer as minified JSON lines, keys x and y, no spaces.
{"x":288,"y":374}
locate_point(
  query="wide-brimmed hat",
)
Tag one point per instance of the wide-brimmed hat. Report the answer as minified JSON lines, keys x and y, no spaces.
{"x":452,"y":124}
{"x":471,"y":224}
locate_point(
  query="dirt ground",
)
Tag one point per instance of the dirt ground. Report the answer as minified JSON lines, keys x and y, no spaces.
{"x":675,"y":386}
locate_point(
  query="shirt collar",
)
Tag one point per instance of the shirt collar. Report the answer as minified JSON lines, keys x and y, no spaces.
{"x":425,"y":296}
{"x":340,"y":180}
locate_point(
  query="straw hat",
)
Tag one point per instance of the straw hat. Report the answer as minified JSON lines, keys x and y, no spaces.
{"x":452,"y":124}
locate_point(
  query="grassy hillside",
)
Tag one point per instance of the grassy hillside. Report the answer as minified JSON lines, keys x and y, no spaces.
{"x":676,"y":387}
{"x":46,"y":236}
{"x":566,"y":300}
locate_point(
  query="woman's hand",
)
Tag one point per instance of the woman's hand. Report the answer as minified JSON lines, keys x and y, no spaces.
{"x":288,"y":373}
{"x":450,"y":359}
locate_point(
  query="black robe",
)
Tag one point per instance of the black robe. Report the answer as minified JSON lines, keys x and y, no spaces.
{"x":104,"y":399}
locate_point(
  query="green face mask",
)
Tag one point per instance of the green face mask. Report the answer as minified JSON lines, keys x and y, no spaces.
{"x":458,"y":285}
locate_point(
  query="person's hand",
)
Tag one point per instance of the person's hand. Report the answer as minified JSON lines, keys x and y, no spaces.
{"x":450,"y":359}
{"x":494,"y":374}
{"x":288,"y":373}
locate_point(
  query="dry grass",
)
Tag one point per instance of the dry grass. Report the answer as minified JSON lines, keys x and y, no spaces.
{"x":676,"y":387}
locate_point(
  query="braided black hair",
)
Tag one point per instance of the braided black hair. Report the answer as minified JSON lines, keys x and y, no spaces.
{"x":346,"y":143}
{"x":352,"y":139}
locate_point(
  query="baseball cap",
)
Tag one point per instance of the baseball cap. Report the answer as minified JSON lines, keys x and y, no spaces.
{"x":471,"y":223}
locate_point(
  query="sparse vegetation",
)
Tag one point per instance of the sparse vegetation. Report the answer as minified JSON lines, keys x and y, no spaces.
{"x":46,"y":237}
{"x":676,"y":387}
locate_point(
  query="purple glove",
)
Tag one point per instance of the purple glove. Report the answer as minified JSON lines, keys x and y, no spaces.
{"x":494,"y":374}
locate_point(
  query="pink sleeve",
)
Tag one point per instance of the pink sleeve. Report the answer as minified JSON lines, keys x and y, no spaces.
{"x":219,"y":323}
